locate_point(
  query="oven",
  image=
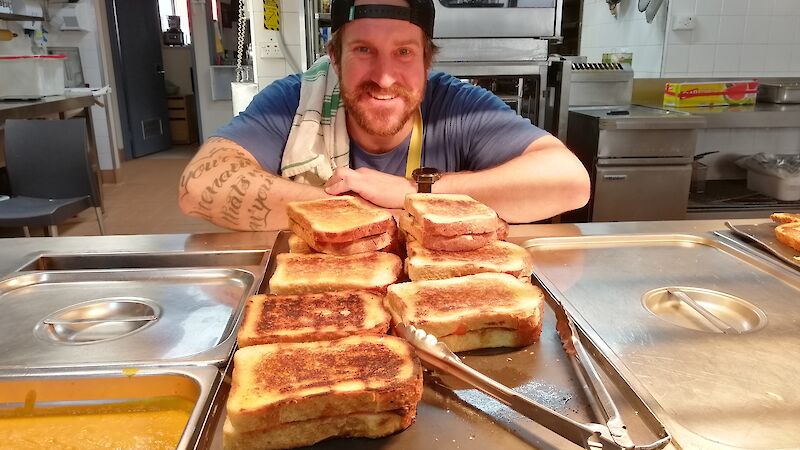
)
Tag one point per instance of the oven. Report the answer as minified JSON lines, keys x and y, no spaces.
{"x":497,"y":18}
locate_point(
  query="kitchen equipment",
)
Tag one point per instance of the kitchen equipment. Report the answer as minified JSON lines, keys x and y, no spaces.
{"x":788,"y":92}
{"x":763,"y":237}
{"x":699,"y":173}
{"x":639,"y":160}
{"x":706,"y":386}
{"x":497,"y":18}
{"x":600,"y":84}
{"x":31,"y":76}
{"x":592,"y":435}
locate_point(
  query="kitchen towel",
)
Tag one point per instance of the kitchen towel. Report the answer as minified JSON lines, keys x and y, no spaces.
{"x":318,"y":141}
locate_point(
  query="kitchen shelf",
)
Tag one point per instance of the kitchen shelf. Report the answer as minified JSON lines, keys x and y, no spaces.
{"x":19,"y":17}
{"x":323,"y":17}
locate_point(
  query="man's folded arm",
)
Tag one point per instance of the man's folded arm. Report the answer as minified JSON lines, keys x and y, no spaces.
{"x":545,"y":180}
{"x":226,"y":185}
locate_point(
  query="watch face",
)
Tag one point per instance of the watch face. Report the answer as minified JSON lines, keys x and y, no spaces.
{"x":425,"y":177}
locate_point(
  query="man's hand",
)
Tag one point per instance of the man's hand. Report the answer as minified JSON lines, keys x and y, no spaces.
{"x":384,"y":190}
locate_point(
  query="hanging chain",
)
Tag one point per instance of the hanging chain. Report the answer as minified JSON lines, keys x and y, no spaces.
{"x":240,"y":42}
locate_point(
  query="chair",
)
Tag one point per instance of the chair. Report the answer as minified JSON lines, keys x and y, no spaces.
{"x":51,"y":179}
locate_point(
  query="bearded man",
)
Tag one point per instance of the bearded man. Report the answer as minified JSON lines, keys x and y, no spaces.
{"x":360,"y":120}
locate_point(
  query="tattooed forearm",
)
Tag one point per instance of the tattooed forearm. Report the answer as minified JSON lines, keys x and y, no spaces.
{"x":233,"y":204}
{"x":259,"y":211}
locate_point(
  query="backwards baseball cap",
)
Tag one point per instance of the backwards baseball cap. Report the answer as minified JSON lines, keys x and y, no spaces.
{"x":419,"y":12}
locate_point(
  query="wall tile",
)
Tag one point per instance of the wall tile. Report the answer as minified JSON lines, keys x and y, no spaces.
{"x":682,"y":6}
{"x":709,"y":7}
{"x":760,"y":7}
{"x":701,"y":58}
{"x":765,"y":140}
{"x":679,"y":37}
{"x":782,"y":29}
{"x":727,"y":58}
{"x":676,"y":59}
{"x":778,"y":58}
{"x":757,"y":30}
{"x":707,"y":30}
{"x":731,"y":29}
{"x":786,"y":7}
{"x":742,"y":140}
{"x":753,"y":58}
{"x":794,"y":66}
{"x":787,"y":140}
{"x":734,"y":7}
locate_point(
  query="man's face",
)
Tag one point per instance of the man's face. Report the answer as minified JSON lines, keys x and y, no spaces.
{"x":382,"y":73}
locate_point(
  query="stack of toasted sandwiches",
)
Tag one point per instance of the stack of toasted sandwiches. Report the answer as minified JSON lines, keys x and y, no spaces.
{"x":291,"y":395}
{"x":315,"y":360}
{"x":788,"y":232}
{"x":343,"y":225}
{"x":469,"y":287}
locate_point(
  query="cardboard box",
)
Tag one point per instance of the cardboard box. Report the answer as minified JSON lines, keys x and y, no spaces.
{"x":692,"y":94}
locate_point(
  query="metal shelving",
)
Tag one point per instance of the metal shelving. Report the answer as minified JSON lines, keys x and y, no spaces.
{"x":19,"y":17}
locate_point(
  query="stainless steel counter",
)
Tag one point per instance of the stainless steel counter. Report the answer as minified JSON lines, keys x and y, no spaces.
{"x":760,"y":115}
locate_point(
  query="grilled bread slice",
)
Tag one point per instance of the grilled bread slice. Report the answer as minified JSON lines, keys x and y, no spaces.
{"x":450,"y":214}
{"x":314,"y":273}
{"x":338,"y":219}
{"x":476,"y":311}
{"x":308,"y":432}
{"x":789,"y":234}
{"x":275,"y":384}
{"x":785,"y":217}
{"x":457,"y":243}
{"x":311,"y":317}
{"x":497,"y":256}
{"x":360,"y":245}
{"x":298,"y":245}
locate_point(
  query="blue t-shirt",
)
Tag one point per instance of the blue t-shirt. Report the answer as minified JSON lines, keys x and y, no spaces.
{"x":465,"y":128}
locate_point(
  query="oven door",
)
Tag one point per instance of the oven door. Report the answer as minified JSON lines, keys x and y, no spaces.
{"x":497,"y":18}
{"x":640,"y":192}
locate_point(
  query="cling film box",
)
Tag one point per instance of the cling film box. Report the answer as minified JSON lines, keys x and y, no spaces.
{"x":690,"y":94}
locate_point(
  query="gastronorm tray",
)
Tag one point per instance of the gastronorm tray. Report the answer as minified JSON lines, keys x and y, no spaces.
{"x":130,"y":317}
{"x":762,"y":236}
{"x":710,"y":389}
{"x":453,"y":415}
{"x":779,"y":92}
{"x":22,"y":394}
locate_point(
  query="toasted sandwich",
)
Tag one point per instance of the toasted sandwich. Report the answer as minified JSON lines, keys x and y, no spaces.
{"x":789,"y":234}
{"x":298,"y":245}
{"x":450,"y":214}
{"x":319,"y":272}
{"x":341,"y":225}
{"x":785,"y":217}
{"x":462,"y":242}
{"x":311,"y":317}
{"x":466,"y":313}
{"x":292,"y":394}
{"x":497,"y":256}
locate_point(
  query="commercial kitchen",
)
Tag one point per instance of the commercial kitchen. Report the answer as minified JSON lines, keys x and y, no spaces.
{"x":682,"y":303}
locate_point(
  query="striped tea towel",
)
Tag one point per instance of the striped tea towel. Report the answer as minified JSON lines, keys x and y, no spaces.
{"x":318,"y":141}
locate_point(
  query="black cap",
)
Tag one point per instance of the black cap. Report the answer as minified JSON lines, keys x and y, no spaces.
{"x":419,"y":12}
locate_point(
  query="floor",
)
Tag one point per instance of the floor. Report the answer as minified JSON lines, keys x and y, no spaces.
{"x":145,"y":201}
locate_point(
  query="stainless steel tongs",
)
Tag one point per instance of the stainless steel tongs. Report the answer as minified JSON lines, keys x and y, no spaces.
{"x":590,"y":436}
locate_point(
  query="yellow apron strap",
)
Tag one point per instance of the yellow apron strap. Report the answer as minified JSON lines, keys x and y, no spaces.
{"x":415,"y":147}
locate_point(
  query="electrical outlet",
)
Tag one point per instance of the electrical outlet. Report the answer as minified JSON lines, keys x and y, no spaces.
{"x":270,"y":49}
{"x":683,"y":22}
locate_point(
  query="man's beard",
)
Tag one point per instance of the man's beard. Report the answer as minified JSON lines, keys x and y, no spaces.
{"x":380,"y":121}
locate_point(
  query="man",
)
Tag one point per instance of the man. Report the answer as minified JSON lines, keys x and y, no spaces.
{"x":381,"y":51}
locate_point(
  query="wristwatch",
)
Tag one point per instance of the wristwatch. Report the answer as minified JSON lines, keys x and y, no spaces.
{"x":425,"y":177}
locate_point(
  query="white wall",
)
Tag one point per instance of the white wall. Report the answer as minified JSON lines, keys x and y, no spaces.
{"x":736,"y":38}
{"x":629,"y":32}
{"x":268,"y":70}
